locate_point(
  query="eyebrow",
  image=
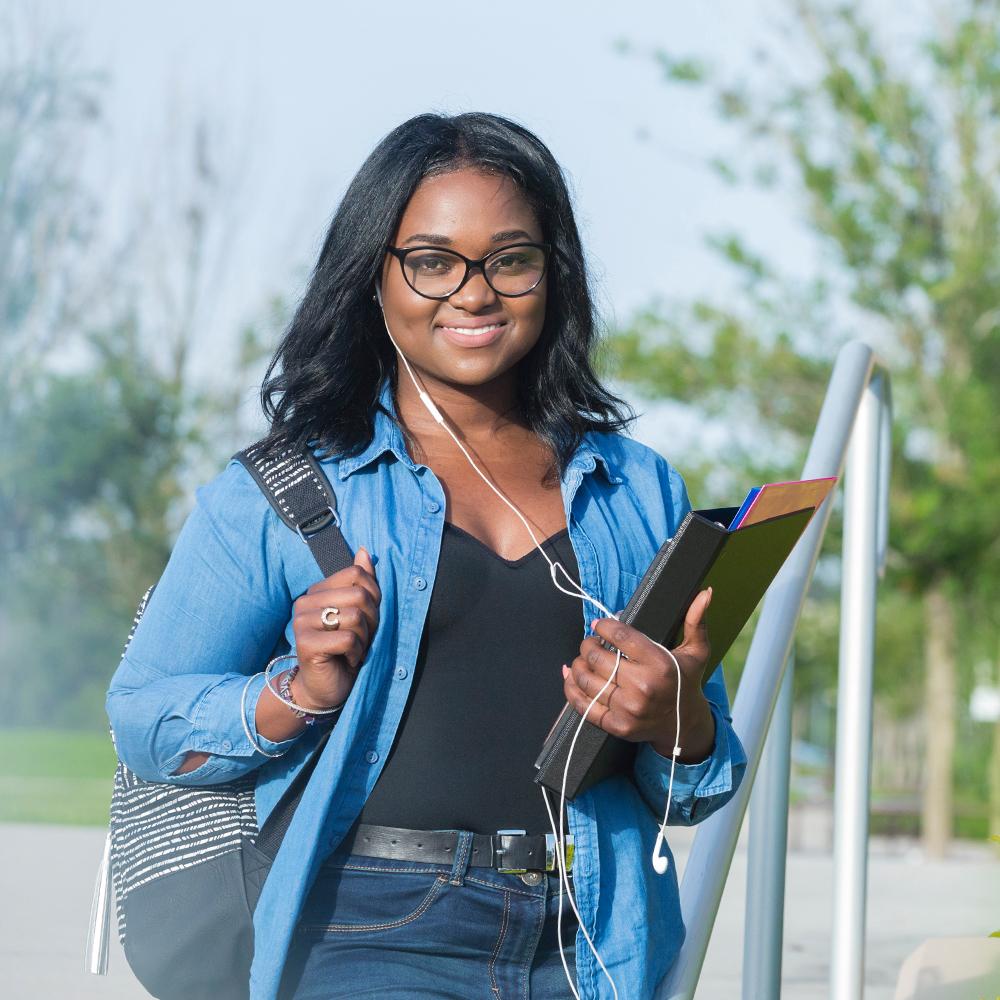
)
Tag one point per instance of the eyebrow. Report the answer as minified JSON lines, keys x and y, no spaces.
{"x":436,"y":239}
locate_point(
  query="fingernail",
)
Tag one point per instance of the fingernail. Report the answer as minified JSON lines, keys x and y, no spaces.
{"x":593,"y":624}
{"x":565,"y":670}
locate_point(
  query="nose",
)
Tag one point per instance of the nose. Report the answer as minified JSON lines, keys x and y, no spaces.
{"x":474,"y":294}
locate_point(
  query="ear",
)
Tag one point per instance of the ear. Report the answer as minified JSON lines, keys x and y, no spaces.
{"x":378,"y":292}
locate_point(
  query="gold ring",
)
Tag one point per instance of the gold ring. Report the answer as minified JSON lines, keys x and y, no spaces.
{"x":330,"y":622}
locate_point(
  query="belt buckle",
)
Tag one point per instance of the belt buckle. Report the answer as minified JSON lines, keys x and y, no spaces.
{"x":550,"y":852}
{"x":499,"y":850}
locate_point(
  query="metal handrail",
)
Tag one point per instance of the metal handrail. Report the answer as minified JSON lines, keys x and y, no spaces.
{"x":855,"y":413}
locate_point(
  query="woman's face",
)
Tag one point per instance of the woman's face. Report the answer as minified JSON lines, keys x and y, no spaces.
{"x":472,"y":213}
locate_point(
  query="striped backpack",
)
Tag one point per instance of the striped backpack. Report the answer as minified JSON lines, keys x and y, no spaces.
{"x":187,"y":864}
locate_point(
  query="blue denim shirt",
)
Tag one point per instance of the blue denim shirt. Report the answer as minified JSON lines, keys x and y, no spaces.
{"x":223,"y":608}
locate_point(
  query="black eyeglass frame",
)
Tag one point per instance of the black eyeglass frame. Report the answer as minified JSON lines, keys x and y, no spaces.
{"x":471,"y":266}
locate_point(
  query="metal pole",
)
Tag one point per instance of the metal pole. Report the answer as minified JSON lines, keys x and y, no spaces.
{"x":765,"y":897}
{"x":712,"y":851}
{"x":854,"y":698}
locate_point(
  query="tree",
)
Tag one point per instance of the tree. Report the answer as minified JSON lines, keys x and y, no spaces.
{"x":103,"y":417}
{"x":894,"y":158}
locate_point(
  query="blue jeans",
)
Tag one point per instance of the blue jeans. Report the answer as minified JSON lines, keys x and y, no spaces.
{"x":396,"y":930}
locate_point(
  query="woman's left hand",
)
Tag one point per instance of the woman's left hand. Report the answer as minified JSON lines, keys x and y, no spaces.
{"x":641,"y":704}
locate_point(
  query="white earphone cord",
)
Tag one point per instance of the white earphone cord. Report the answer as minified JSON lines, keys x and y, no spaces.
{"x":659,"y":860}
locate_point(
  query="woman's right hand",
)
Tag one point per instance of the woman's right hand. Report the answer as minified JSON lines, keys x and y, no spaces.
{"x":329,"y":659}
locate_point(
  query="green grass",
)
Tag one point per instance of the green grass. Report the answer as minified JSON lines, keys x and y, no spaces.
{"x":55,"y":776}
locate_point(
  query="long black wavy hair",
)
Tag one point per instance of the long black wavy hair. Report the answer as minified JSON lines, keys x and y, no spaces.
{"x":323,"y":383}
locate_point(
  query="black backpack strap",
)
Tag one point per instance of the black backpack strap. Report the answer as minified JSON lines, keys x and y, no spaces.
{"x":300,"y":492}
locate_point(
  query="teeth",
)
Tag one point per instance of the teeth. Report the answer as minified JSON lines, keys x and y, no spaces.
{"x":475,"y":331}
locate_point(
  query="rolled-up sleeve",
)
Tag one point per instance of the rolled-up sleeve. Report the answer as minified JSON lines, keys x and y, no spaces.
{"x":698,"y":789}
{"x":216,"y":616}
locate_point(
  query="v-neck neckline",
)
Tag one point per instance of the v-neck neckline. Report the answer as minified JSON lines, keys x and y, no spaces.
{"x":511,"y":563}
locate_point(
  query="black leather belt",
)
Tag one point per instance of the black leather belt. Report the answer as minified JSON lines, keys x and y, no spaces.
{"x":511,"y":851}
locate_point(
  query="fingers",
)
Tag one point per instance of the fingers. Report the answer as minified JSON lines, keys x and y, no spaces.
{"x":361,"y":573}
{"x":637,"y":646}
{"x":347,"y":601}
{"x":356,"y":596}
{"x":629,"y":640}
{"x":695,"y":637}
{"x":590,"y":683}
{"x":363,"y":559}
{"x":639,"y":703}
{"x":595,"y":659}
{"x":349,"y":619}
{"x":601,"y":714}
{"x":347,"y":643}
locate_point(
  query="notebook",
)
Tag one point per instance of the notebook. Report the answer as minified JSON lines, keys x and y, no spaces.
{"x":735,"y":550}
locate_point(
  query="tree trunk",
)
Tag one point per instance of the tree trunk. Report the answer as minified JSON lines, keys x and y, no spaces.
{"x":940,"y":713}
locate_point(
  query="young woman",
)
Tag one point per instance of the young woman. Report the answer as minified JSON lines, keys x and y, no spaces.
{"x":449,"y":300}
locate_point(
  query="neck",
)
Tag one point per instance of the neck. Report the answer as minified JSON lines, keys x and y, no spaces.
{"x":475,"y":413}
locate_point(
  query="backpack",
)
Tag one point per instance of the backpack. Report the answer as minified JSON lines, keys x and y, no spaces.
{"x":187,"y":864}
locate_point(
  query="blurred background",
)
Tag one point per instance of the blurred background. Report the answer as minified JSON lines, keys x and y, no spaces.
{"x":749,"y":199}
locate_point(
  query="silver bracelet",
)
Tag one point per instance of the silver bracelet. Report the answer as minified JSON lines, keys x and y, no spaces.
{"x":243,"y":719}
{"x":288,"y":701}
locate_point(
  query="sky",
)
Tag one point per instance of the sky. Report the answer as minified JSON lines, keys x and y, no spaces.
{"x":301,"y":92}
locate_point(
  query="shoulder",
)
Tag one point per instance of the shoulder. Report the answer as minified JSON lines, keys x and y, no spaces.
{"x":646,"y":471}
{"x":232,"y":488}
{"x":232,"y":507}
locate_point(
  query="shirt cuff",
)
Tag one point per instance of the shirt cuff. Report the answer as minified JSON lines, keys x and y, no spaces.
{"x":218,"y":728}
{"x":693,"y":783}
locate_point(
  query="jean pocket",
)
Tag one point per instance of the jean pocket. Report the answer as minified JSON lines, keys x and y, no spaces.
{"x":355,"y":899}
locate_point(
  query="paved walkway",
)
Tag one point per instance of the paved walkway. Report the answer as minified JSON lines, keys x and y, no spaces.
{"x":48,"y":878}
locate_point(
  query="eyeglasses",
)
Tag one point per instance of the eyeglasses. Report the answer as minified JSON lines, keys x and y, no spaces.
{"x":436,"y":273}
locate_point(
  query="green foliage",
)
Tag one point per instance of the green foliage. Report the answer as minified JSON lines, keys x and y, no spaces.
{"x":102,"y":424}
{"x":89,"y":465}
{"x":680,"y":70}
{"x":894,"y":160}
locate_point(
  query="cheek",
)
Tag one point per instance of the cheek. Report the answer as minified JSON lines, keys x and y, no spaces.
{"x":530,"y":312}
{"x":405,"y":310}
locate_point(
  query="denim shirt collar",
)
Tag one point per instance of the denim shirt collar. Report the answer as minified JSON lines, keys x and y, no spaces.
{"x":388,"y":437}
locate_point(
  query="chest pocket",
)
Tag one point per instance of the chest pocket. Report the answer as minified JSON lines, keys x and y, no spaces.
{"x":628,"y":583}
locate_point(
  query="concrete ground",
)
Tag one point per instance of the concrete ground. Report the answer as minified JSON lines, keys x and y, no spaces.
{"x":48,"y":878}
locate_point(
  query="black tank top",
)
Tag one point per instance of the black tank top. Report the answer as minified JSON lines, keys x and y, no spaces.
{"x":488,"y":686}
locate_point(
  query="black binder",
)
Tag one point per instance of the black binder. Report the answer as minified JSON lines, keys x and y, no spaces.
{"x":739,"y":566}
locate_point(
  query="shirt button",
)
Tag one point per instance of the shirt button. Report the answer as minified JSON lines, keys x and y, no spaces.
{"x":372,"y":757}
{"x":401,"y":673}
{"x":420,"y":583}
{"x":227,"y":746}
{"x":433,"y":506}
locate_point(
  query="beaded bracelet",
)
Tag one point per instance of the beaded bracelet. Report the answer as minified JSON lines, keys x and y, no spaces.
{"x":284,"y":696}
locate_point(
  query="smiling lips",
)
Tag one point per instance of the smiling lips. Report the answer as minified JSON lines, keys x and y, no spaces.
{"x":479,"y":335}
